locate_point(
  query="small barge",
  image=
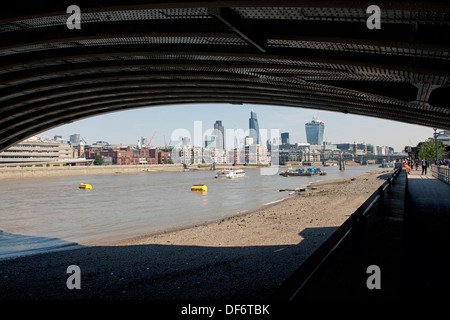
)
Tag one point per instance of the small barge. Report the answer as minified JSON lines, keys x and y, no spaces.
{"x":303,"y":173}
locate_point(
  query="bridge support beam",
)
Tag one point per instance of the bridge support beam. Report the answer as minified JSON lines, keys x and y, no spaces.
{"x":233,"y":22}
{"x":423,"y":94}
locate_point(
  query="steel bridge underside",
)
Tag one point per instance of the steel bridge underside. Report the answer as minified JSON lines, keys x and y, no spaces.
{"x":307,"y":54}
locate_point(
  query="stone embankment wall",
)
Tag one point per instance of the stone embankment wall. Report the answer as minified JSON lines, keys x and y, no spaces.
{"x":35,"y":172}
{"x":19,"y":172}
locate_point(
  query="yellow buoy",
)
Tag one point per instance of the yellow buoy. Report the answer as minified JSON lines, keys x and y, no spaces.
{"x":85,"y":186}
{"x":199,"y":187}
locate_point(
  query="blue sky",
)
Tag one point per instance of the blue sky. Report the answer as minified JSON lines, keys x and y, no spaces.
{"x":127,"y":127}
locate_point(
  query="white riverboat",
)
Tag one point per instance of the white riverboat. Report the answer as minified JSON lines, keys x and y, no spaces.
{"x":230,"y":173}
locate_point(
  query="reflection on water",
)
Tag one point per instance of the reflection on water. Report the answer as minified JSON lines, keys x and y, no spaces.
{"x":47,"y":212}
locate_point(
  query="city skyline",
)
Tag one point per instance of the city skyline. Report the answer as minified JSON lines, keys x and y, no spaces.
{"x":127,"y":127}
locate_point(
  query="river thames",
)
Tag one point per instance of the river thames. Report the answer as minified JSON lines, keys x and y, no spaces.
{"x":44,"y":214}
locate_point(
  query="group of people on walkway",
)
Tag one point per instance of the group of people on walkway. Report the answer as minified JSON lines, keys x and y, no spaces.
{"x":410,"y":163}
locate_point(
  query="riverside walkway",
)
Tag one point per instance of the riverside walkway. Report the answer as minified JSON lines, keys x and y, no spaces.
{"x":407,"y":238}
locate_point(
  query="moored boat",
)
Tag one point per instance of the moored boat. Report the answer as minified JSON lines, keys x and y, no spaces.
{"x":303,"y":173}
{"x":230,"y":173}
{"x":330,"y":164}
{"x":295,"y":173}
{"x":320,"y":172}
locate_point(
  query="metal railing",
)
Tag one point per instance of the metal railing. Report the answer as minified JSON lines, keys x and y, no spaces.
{"x":441,"y":172}
{"x":355,"y":225}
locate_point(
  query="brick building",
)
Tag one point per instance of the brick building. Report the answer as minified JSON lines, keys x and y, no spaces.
{"x":128,"y":156}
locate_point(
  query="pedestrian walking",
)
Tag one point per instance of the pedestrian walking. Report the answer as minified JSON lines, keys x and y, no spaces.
{"x":424,"y":166}
{"x":417,"y":164}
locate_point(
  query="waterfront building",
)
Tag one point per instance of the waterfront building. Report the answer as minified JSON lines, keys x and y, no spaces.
{"x":314,"y":131}
{"x":232,"y":156}
{"x":289,"y":155}
{"x":37,"y":150}
{"x":206,"y":156}
{"x":311,"y":156}
{"x":163,"y":156}
{"x":251,"y":156}
{"x":262,"y":154}
{"x":218,"y":156}
{"x":254,"y":128}
{"x":236,"y":156}
{"x":107,"y":161}
{"x":125,"y":155}
{"x":197,"y":155}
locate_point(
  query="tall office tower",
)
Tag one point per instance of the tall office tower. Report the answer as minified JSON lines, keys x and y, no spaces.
{"x":75,"y":139}
{"x":254,"y":127}
{"x":219,"y":132}
{"x":314,"y":131}
{"x":285,"y":138}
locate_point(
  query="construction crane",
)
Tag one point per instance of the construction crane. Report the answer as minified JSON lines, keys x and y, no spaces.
{"x":148,"y":144}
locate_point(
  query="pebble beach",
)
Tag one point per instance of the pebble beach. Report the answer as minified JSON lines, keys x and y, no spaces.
{"x":247,"y":256}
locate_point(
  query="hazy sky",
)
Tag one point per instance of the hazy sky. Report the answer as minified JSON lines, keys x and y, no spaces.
{"x":127,"y":127}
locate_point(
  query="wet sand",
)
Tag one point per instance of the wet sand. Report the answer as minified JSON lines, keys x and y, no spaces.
{"x":241,"y":257}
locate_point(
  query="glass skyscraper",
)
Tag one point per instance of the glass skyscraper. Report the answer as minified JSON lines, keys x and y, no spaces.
{"x":314,"y":131}
{"x":254,"y":127}
{"x":219,"y":132}
{"x":285,"y":138}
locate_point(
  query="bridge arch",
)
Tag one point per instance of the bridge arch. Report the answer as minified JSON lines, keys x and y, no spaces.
{"x":308,"y":54}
